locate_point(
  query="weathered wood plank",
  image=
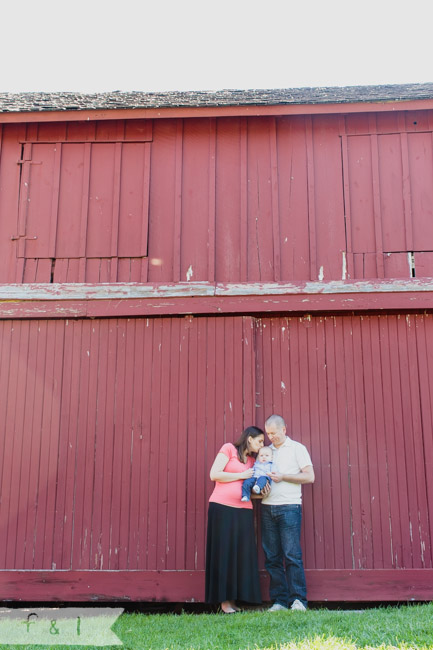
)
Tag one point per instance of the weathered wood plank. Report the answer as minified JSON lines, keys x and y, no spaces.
{"x":275,"y":207}
{"x":178,"y":203}
{"x":214,"y":305}
{"x":212,"y":200}
{"x":132,"y":290}
{"x":174,"y":586}
{"x":84,"y":211}
{"x":55,"y":193}
{"x":311,"y":200}
{"x":181,"y":397}
{"x":176,"y":465}
{"x":407,"y":198}
{"x":27,"y":491}
{"x":377,"y":215}
{"x":243,"y":208}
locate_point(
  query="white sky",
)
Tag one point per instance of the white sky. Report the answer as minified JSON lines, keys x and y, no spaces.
{"x":151,"y":45}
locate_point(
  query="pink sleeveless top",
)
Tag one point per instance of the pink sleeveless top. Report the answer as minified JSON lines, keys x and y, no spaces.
{"x":229,"y":494}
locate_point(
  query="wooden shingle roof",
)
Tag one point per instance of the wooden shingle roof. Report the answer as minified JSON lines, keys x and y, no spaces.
{"x":70,"y":101}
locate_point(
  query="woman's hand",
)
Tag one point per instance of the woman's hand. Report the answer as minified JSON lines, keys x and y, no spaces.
{"x":247,"y":474}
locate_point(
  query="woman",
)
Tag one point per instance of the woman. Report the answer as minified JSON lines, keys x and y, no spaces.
{"x":231,"y":554}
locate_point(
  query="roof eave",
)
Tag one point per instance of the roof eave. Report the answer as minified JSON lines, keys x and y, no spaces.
{"x":217,"y":111}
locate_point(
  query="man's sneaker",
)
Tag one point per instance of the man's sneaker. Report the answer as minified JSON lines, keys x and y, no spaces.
{"x":256,"y":489}
{"x":276,"y":607}
{"x":297,"y":605}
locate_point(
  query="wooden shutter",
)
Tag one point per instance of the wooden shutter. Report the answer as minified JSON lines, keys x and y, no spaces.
{"x":84,"y":200}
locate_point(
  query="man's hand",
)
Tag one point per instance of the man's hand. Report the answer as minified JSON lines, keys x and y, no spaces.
{"x":306,"y":475}
{"x":276,"y":477}
{"x":266,"y":490}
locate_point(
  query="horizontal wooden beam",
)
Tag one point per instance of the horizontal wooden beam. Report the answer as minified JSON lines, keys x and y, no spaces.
{"x":134,"y":290}
{"x":341,"y":585}
{"x":133,"y":299}
{"x":216,"y":111}
{"x":370,"y":585}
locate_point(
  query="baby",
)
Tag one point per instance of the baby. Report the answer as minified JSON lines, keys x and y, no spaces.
{"x":260,"y":478}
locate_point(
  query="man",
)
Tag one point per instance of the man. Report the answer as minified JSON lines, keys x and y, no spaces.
{"x":281,"y":516}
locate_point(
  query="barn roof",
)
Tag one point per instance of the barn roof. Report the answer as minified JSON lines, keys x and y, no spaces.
{"x":70,"y":101}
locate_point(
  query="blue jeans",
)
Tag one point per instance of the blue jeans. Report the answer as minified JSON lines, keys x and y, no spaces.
{"x":281,"y":541}
{"x":249,"y":483}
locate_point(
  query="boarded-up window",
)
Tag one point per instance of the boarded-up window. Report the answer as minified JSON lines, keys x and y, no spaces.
{"x":389,"y":192}
{"x":388,"y":183}
{"x":84,"y":200}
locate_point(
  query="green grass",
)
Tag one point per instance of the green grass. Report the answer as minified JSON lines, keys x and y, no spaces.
{"x":383,"y":628}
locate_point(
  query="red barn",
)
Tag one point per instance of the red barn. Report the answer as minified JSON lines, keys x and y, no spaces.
{"x":177,"y":266}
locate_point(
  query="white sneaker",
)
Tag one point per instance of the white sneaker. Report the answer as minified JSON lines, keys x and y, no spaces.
{"x":276,"y":607}
{"x":256,"y":489}
{"x":298,"y":606}
{"x":245,"y":499}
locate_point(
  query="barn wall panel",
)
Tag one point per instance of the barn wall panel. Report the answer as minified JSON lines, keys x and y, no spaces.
{"x":327,"y":232}
{"x":260,"y":259}
{"x":10,"y":153}
{"x":197,"y":179}
{"x":108,"y":433}
{"x":164,"y":211}
{"x":357,"y":391}
{"x":226,"y":199}
{"x":420,"y":164}
{"x":293,"y":198}
{"x":109,"y":428}
{"x":388,"y":196}
{"x":230,"y":200}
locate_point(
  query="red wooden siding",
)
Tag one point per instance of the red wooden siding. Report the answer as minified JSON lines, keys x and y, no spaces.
{"x":109,"y":426}
{"x":94,"y":212}
{"x":357,"y":391}
{"x":109,"y":422}
{"x":241,"y":198}
{"x":75,"y":207}
{"x":390,"y":192}
{"x":388,"y":168}
{"x":228,"y":199}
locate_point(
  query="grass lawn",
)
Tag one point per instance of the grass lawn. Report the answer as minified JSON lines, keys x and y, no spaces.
{"x":388,"y":627}
{"x":382,"y":628}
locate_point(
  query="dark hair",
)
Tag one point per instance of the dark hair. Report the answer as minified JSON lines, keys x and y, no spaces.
{"x":242,"y":443}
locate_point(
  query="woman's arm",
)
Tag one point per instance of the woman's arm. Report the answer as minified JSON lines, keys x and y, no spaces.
{"x":217,"y":472}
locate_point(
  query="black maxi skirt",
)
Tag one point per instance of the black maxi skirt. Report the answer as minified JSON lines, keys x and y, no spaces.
{"x":232,"y":571}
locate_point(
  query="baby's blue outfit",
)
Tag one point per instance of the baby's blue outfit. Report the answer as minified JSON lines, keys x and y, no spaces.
{"x":261,"y":469}
{"x":259,"y":478}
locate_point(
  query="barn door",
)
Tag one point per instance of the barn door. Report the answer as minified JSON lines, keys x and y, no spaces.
{"x":108,"y":429}
{"x":357,"y":391}
{"x":84,"y":200}
{"x":389,"y":204}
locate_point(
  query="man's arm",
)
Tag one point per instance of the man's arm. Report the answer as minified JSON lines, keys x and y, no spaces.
{"x":306,"y":475}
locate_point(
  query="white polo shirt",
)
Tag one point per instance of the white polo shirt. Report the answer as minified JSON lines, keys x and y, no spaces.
{"x":289,"y":458}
